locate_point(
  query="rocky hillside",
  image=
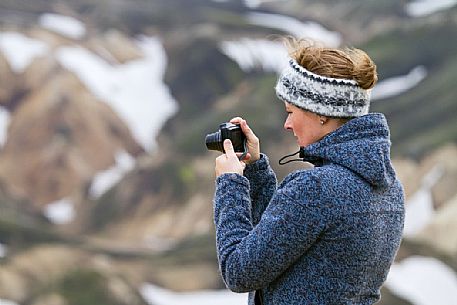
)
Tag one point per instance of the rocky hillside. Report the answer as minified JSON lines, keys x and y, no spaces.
{"x":105,"y":182}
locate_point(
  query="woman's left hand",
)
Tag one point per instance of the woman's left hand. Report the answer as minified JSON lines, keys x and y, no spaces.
{"x":228,"y":162}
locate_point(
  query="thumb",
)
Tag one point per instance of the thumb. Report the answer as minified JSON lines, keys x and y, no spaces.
{"x":228,"y":147}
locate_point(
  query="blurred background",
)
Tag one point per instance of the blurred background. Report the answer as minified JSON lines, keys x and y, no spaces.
{"x":105,"y":182}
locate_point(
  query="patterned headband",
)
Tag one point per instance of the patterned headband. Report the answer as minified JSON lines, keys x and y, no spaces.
{"x":323,"y":95}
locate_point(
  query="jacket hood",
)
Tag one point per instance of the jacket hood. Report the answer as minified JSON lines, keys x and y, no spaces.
{"x":361,"y":145}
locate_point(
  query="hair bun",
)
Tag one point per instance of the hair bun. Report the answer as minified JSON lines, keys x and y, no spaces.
{"x":364,"y":70}
{"x":348,"y":63}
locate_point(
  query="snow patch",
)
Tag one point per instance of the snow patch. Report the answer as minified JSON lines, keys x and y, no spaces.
{"x":155,"y":295}
{"x":423,"y":281}
{"x":397,"y":85}
{"x":3,"y":251}
{"x":250,"y":54}
{"x":311,"y":30}
{"x":135,"y":90}
{"x":251,"y":3}
{"x":159,"y":244}
{"x":420,"y":8}
{"x":64,"y":25}
{"x":60,"y":212}
{"x":4,"y":122}
{"x":104,"y":180}
{"x":419,"y":210}
{"x":20,"y":50}
{"x":6,"y":302}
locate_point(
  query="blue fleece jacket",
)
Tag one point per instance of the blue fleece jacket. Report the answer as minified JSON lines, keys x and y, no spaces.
{"x":325,"y":235}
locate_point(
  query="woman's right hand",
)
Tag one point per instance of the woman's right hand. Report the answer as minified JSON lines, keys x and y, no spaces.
{"x":253,"y":143}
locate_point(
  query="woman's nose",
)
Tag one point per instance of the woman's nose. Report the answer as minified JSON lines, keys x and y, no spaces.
{"x":287,"y":125}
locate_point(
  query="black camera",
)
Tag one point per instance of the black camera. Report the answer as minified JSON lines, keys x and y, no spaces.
{"x":233,"y":132}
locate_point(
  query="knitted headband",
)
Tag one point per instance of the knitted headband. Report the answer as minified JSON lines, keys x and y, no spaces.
{"x":320,"y":94}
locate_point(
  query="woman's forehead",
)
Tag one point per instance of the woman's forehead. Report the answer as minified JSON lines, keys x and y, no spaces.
{"x":290,"y":106}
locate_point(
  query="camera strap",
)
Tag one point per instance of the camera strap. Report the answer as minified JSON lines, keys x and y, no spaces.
{"x":301,"y":155}
{"x":245,"y":151}
{"x":316,"y":161}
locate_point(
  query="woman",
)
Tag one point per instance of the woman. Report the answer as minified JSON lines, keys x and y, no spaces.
{"x":325,"y":235}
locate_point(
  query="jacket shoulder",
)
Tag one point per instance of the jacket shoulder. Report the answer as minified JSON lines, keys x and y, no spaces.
{"x":302,"y":185}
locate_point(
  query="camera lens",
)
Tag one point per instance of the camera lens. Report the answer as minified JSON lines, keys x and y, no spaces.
{"x":214,"y":141}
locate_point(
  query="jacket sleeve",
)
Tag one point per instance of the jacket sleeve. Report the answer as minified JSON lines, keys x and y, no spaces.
{"x":263,"y":183}
{"x":251,"y":257}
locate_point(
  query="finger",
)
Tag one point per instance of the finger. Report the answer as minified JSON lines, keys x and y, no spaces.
{"x":228,"y":147}
{"x":246,"y":157}
{"x":246,"y":129}
{"x":244,"y":126}
{"x":236,"y":120}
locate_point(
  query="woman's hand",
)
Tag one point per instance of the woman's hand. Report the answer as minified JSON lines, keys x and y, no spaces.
{"x":228,"y":162}
{"x":253,"y":143}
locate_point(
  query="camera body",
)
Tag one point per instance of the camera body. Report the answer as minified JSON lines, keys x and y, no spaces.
{"x":233,"y":132}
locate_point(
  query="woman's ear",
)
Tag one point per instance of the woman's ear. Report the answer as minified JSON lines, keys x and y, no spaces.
{"x":323,"y":119}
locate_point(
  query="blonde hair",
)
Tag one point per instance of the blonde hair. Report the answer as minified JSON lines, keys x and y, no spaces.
{"x":347,"y":63}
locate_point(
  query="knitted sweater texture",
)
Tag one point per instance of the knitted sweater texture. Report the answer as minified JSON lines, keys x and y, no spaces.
{"x":325,"y":235}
